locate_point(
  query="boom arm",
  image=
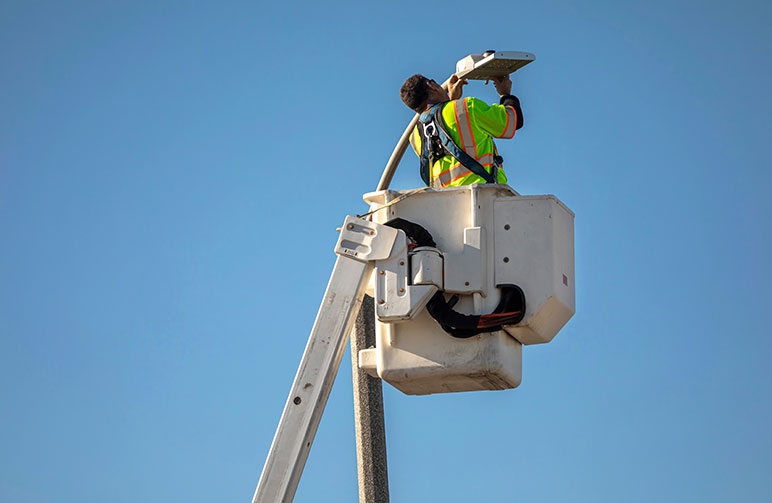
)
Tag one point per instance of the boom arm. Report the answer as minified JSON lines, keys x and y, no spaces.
{"x":360,"y":244}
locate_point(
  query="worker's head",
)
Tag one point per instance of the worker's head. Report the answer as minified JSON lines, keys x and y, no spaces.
{"x":417,"y":92}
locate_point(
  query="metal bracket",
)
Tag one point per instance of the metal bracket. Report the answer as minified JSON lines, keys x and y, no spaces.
{"x":396,"y":298}
{"x":364,"y":240}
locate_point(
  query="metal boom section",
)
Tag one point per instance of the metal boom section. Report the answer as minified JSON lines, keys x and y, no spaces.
{"x":359,"y":245}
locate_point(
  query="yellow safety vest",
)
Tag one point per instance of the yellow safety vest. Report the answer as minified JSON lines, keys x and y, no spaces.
{"x":472,"y":124}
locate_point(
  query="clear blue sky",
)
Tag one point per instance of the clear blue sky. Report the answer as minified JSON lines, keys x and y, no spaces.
{"x":171,"y":177}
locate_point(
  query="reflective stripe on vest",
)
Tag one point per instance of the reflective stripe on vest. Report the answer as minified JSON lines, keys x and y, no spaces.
{"x":458,"y":170}
{"x":509,"y":129}
{"x":464,"y":125}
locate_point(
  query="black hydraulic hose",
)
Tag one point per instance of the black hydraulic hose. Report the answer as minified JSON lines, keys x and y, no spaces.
{"x":510,"y":310}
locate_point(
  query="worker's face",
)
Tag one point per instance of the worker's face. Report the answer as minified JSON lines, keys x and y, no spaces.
{"x":436,"y":93}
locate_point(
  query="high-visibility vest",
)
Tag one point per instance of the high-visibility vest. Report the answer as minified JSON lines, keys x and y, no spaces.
{"x":472,"y":124}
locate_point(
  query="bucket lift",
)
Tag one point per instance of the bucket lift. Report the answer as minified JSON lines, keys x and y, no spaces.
{"x":485,"y":237}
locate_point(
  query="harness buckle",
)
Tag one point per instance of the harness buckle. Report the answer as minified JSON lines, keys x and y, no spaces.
{"x":432,"y":137}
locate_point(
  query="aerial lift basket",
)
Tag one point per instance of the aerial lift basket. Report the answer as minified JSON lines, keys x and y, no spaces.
{"x":487,"y":236}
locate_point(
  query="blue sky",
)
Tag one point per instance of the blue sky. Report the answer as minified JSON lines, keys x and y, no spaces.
{"x":171,"y":177}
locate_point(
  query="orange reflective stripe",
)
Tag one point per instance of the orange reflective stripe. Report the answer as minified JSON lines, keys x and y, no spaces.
{"x":469,"y":124}
{"x":451,"y":174}
{"x":486,"y":160}
{"x":455,"y":115}
{"x":464,"y":124}
{"x":456,"y":178}
{"x":509,"y":128}
{"x":443,"y":179}
{"x":458,"y":170}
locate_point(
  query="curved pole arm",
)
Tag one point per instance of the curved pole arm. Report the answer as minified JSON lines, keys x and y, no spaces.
{"x":399,"y":150}
{"x":396,"y":155}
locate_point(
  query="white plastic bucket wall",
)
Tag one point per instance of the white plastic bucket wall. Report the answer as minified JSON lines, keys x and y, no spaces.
{"x":417,"y":356}
{"x":534,"y":248}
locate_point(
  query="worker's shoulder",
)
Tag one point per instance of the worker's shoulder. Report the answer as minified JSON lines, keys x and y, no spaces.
{"x":464,"y":104}
{"x":472,"y":101}
{"x":468,"y":101}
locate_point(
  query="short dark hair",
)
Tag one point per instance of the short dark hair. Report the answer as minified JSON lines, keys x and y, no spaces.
{"x":415,"y":92}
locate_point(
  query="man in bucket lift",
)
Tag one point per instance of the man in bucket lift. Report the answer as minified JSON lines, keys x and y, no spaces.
{"x":454,"y":137}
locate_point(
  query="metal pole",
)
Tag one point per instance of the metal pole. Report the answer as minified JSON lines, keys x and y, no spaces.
{"x":396,"y":156}
{"x":368,"y":414}
{"x":372,"y":469}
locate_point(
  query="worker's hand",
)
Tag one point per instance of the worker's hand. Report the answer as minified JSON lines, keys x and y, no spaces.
{"x":503,"y":85}
{"x":456,"y":86}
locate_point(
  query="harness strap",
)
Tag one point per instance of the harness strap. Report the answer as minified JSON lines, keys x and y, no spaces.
{"x":428,"y":136}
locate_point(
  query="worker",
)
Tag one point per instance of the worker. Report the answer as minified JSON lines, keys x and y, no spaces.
{"x":466,"y":153}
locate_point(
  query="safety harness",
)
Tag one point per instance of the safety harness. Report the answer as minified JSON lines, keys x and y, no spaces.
{"x":510,"y":310}
{"x":437,"y":143}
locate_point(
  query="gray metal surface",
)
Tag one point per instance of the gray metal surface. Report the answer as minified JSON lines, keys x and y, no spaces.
{"x":396,"y":155}
{"x":368,"y":414}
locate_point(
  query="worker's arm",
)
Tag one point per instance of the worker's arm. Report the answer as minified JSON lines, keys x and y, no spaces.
{"x":512,"y":101}
{"x":499,"y":121}
{"x":503,"y":85}
{"x":456,"y":87}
